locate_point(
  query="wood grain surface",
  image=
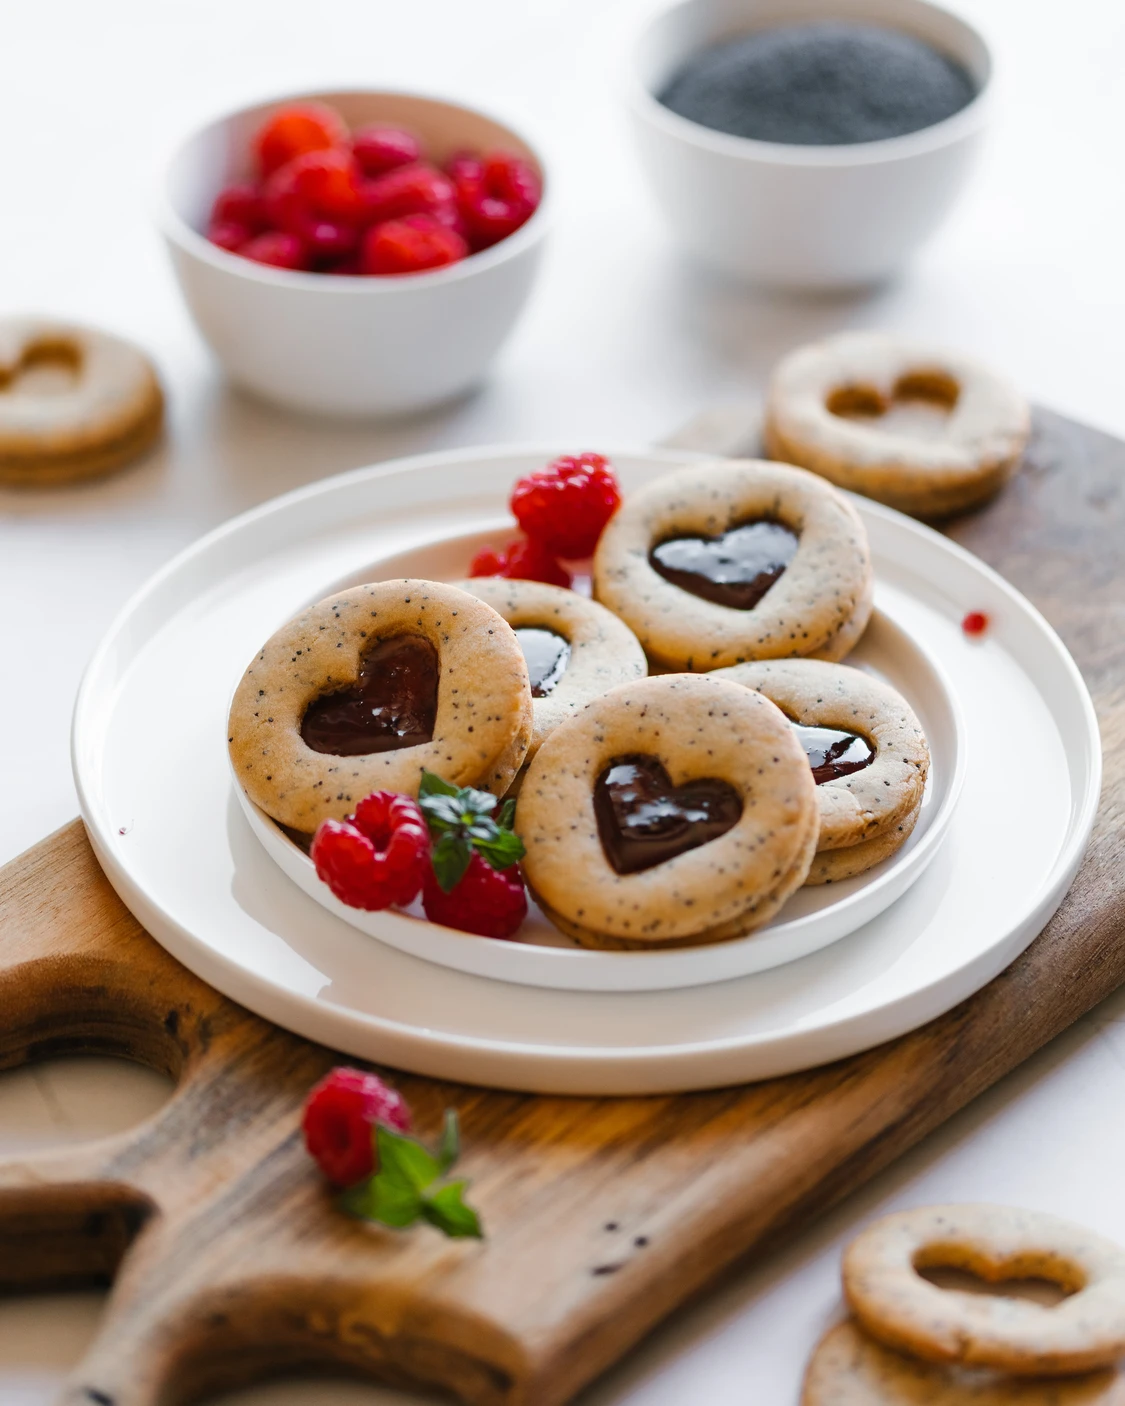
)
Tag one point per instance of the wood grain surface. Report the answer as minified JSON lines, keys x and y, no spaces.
{"x":230,"y":1263}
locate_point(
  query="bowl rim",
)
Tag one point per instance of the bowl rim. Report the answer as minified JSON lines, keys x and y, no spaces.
{"x":178,"y":232}
{"x":951,"y":129}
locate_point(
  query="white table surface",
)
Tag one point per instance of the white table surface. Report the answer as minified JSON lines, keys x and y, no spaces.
{"x":622,"y":343}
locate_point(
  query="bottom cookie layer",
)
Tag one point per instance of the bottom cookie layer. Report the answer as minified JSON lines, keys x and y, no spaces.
{"x":830,"y":866}
{"x":848,"y":1368}
{"x":51,"y":470}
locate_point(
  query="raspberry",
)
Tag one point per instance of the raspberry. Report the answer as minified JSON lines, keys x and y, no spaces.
{"x":240,"y":204}
{"x":339,"y":1119}
{"x":566,"y":505}
{"x":464,"y":167}
{"x":228,"y":235}
{"x":319,"y":185}
{"x":411,"y":190}
{"x":525,"y":560}
{"x":489,"y":902}
{"x":496,"y":195}
{"x":277,"y":248}
{"x":381,"y":149}
{"x":410,"y":245}
{"x":377,"y":857}
{"x":296,"y":130}
{"x":975,"y":623}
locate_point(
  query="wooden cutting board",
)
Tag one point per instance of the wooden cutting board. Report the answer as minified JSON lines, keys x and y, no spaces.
{"x":229,"y":1260}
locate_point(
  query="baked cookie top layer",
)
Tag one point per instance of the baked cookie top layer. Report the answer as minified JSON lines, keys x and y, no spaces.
{"x":904,"y":1311}
{"x":818,"y":605}
{"x":694,"y":728}
{"x":603,"y":651}
{"x":481,"y":722}
{"x":109,"y":410}
{"x":836,"y":406}
{"x":870,"y":802}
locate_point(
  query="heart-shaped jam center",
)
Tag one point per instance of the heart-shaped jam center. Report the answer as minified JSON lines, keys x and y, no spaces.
{"x":919,"y":405}
{"x":644,"y":820}
{"x":736,"y":569}
{"x":833,"y":753}
{"x":391,"y":705}
{"x":547,"y":656}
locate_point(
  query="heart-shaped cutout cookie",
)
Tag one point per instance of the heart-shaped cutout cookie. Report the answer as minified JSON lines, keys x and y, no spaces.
{"x":45,"y":367}
{"x":393,"y":703}
{"x":644,"y":820}
{"x":735,"y":570}
{"x":919,"y":404}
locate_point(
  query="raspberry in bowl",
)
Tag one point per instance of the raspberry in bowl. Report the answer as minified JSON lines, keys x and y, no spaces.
{"x":355,"y":253}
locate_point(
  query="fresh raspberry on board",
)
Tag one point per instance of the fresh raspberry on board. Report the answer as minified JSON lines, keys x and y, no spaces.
{"x":486,"y":901}
{"x":412,"y":244}
{"x":277,"y":248}
{"x":381,"y":149}
{"x":522,"y":560}
{"x":339,"y":1122}
{"x":566,"y":505}
{"x":296,"y":130}
{"x":378,"y":857}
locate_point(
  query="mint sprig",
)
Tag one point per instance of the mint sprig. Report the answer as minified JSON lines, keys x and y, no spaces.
{"x":406,"y":1187}
{"x":461,"y":820}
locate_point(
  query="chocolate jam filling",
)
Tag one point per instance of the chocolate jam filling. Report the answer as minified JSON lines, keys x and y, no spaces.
{"x":833,"y":753}
{"x":644,"y":820}
{"x":547,"y":656}
{"x":736,"y":569}
{"x":391,"y":705}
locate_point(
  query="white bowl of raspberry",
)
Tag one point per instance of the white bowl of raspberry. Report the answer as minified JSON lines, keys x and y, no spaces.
{"x":355,"y":253}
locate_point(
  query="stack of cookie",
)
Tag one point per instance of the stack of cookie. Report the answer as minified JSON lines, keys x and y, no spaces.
{"x":913,"y":1343}
{"x":674,"y":809}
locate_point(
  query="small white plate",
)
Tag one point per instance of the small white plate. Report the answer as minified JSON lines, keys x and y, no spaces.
{"x":156,"y":794}
{"x":813,"y":918}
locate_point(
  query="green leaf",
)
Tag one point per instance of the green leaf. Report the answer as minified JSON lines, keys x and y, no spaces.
{"x":441,"y":812}
{"x":384,"y":1201}
{"x":450,"y":858}
{"x":507,"y":814}
{"x":433,"y":785}
{"x":450,"y":1147}
{"x":483,"y":829}
{"x":446,"y":1209}
{"x":502,"y":852}
{"x":479,"y":802}
{"x":404,"y":1164}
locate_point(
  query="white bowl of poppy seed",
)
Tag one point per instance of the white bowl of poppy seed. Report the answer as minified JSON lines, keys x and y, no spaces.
{"x":851,"y":127}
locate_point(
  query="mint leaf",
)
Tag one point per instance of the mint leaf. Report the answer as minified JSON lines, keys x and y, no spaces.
{"x":387,"y":1203}
{"x":507,"y":814}
{"x":441,"y":812}
{"x":446,"y":1209}
{"x":450,"y":1148}
{"x":433,"y":785}
{"x":403,"y":1162}
{"x":502,"y":852}
{"x":450,"y":858}
{"x":477,"y":802}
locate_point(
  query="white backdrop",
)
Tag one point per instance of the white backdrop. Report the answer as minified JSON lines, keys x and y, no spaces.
{"x":621,"y":344}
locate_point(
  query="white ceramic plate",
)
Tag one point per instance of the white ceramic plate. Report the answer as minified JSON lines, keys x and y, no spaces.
{"x":812,"y":919}
{"x":164,"y":820}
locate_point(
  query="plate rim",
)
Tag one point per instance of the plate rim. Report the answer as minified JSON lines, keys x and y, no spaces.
{"x":542,"y":1064}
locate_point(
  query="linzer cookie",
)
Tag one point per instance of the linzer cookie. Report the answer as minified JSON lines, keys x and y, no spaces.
{"x":726,"y":562}
{"x":76,"y":403}
{"x":669,"y":812}
{"x":575,"y":649}
{"x":848,"y":1368}
{"x":926,"y":431}
{"x":367,"y":689}
{"x":867,"y":752}
{"x":904,"y":1311}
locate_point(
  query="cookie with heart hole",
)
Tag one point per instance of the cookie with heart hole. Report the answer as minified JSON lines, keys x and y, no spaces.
{"x":893,"y":1303}
{"x":849,"y":1368}
{"x":672,"y":811}
{"x":730,"y":561}
{"x":867,"y":751}
{"x":369,"y":688}
{"x":76,"y":403}
{"x":926,"y":431}
{"x":576,"y":650}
